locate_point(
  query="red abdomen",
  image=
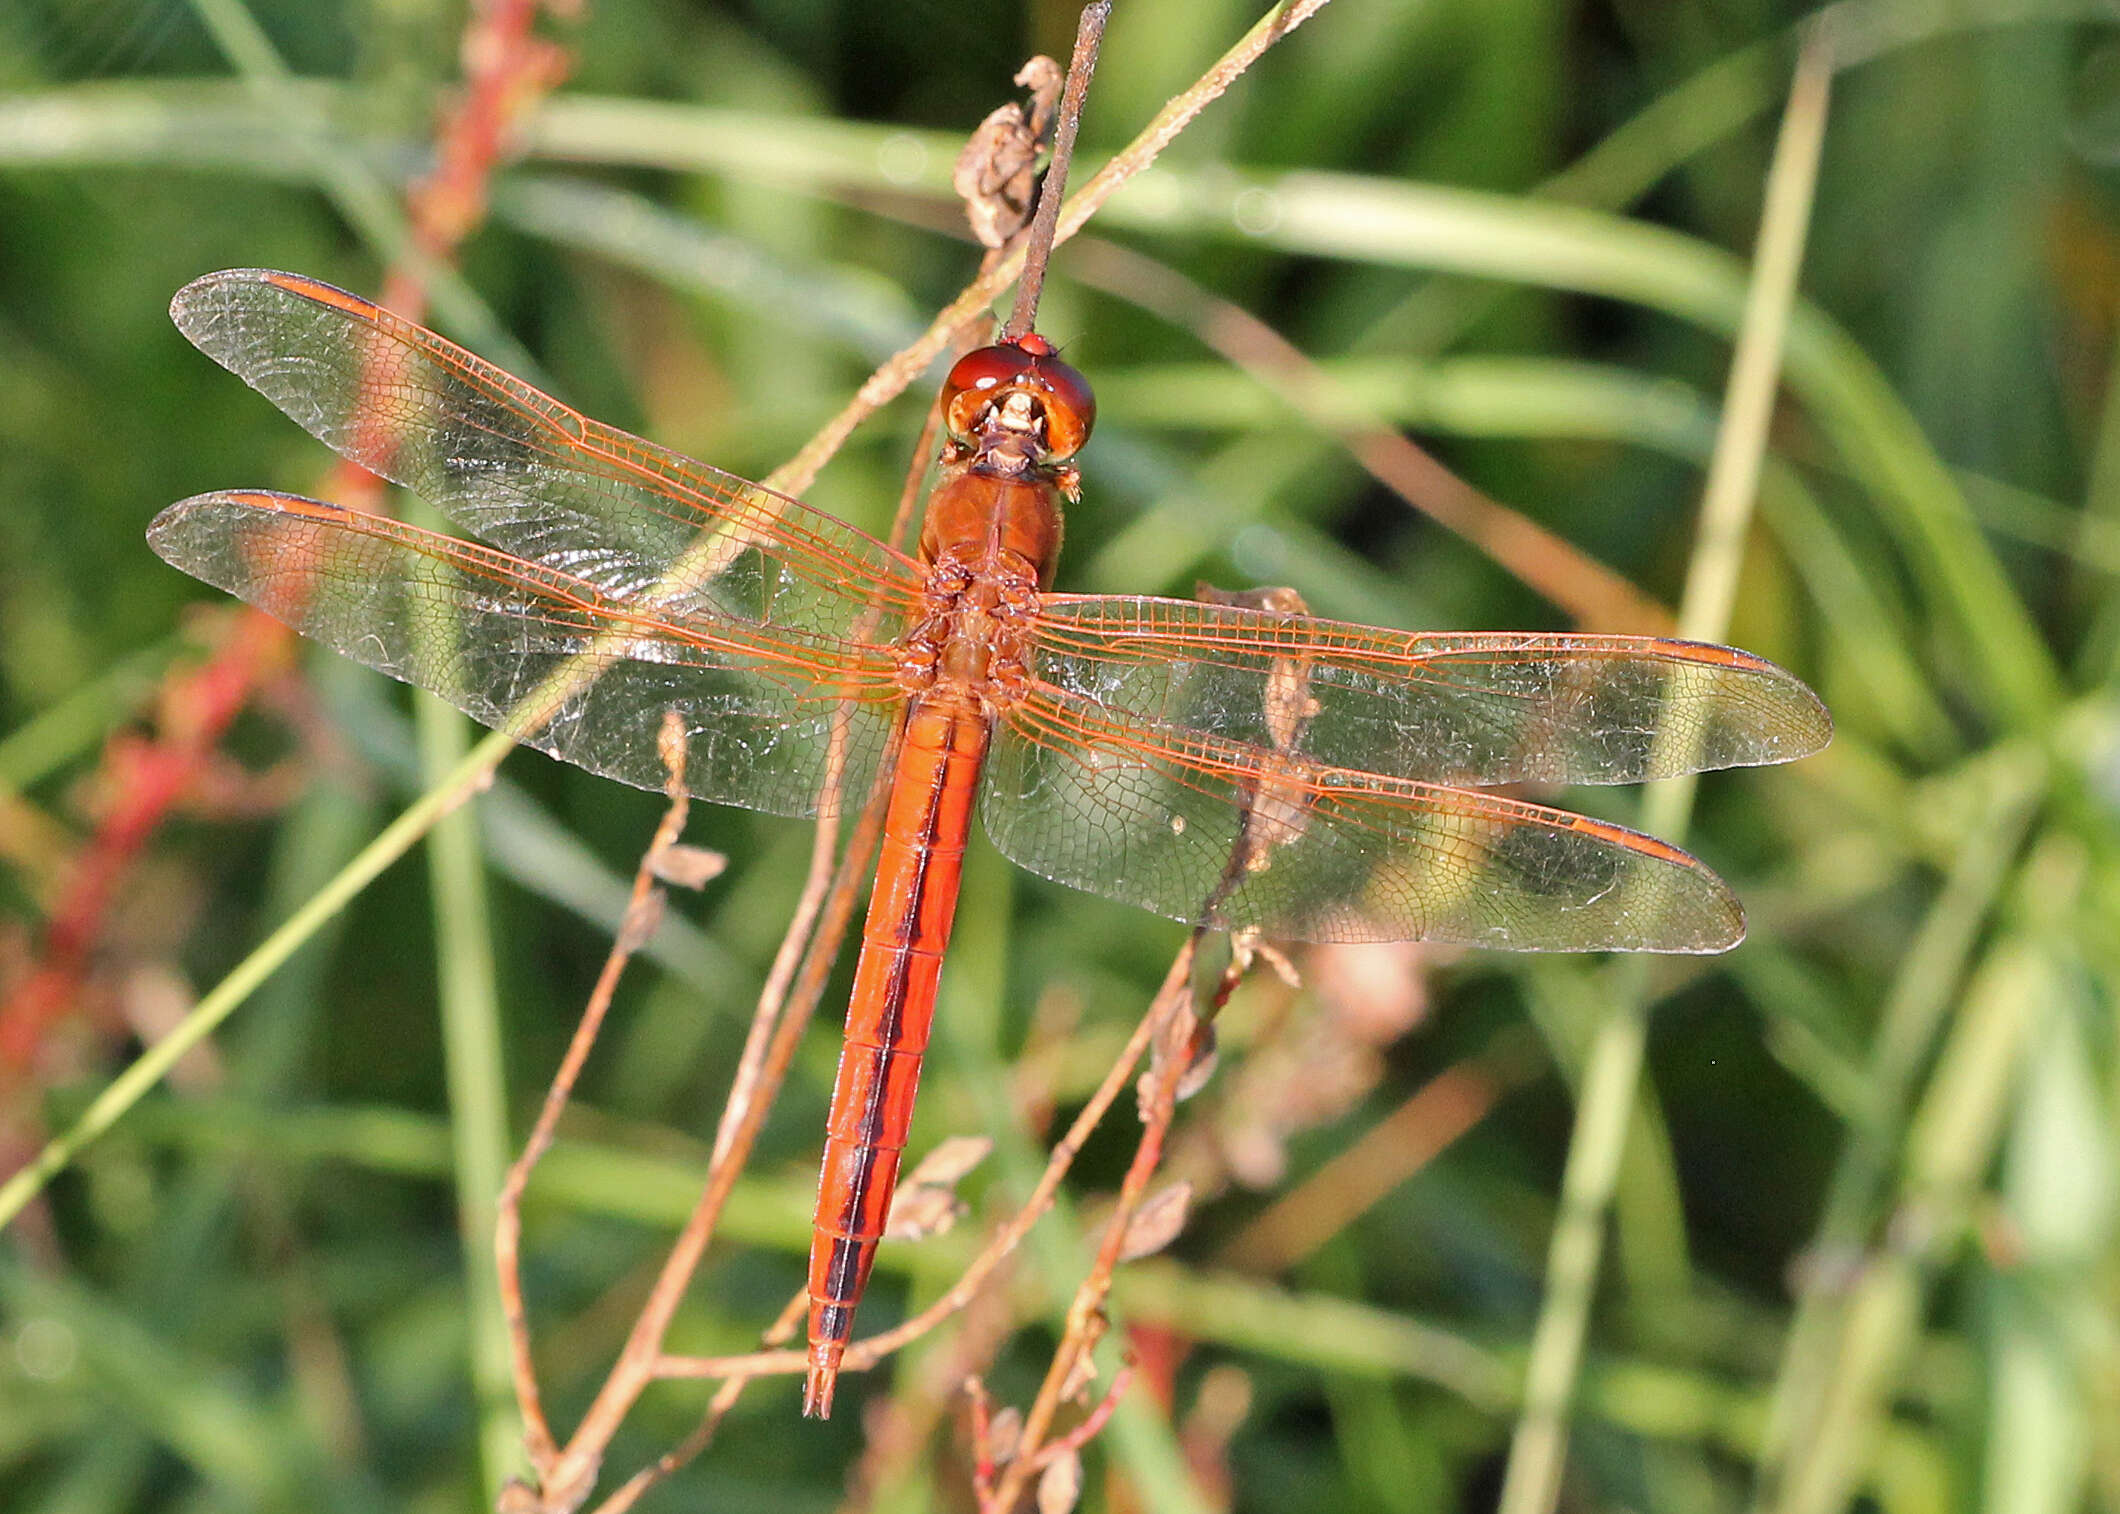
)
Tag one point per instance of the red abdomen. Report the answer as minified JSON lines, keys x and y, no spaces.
{"x":918,"y":873}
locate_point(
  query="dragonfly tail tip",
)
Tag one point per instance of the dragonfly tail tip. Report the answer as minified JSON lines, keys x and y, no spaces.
{"x":823,"y":1378}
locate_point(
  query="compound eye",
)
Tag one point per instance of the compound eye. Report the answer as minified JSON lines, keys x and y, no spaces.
{"x":984,"y":376}
{"x":975,"y":382}
{"x":1070,"y":407}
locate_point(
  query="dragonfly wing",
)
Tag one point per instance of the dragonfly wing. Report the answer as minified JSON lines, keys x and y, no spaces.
{"x":1474,"y":708}
{"x":535,"y":478}
{"x":1229,"y":835}
{"x":769,"y":714}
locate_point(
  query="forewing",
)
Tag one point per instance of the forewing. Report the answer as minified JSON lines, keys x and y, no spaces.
{"x":1228,"y":834}
{"x":1469,"y":708}
{"x":541,"y":481}
{"x":768,"y":714}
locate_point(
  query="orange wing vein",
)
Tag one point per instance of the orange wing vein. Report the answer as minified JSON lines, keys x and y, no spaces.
{"x":523,"y":471}
{"x":1155,"y":817}
{"x":1471,"y":708}
{"x":506,"y":642}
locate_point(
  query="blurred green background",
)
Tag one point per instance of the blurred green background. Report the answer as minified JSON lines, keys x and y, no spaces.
{"x":1863,"y":1244}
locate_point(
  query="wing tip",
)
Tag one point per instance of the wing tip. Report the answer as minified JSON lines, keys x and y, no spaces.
{"x":1809,"y":726}
{"x":192,"y":308}
{"x":1697,"y":899}
{"x":172,"y":519}
{"x":1733,"y":926}
{"x":185,"y":305}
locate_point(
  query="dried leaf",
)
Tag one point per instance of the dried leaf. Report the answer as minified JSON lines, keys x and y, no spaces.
{"x":1157,"y":1222}
{"x":1205,"y":1058}
{"x":996,"y":172}
{"x":1082,"y":1375}
{"x":1162,"y":1055}
{"x":926,"y":1202}
{"x":1004,"y":1432}
{"x":687,"y":866}
{"x":1060,"y":1484}
{"x":922,"y":1211}
{"x":949,"y":1161}
{"x":643,"y":917}
{"x":670,"y":746}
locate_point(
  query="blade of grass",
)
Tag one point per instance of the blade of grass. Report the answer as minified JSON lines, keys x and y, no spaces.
{"x":1951,"y":1143}
{"x":1532,"y":1479}
{"x":216,"y":1005}
{"x":1914,"y":1013}
{"x":478,"y":1101}
{"x":2058,"y":1188}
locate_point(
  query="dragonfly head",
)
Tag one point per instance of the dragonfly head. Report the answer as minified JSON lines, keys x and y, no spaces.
{"x":1021,"y":395}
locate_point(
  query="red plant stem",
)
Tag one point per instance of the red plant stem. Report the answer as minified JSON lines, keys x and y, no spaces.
{"x":144,"y":779}
{"x":507,"y":69}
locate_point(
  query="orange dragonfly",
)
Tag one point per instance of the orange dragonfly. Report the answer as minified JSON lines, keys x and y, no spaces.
{"x":1229,"y":766}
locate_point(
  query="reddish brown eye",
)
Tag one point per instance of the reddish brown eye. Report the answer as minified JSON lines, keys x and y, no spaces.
{"x":1070,"y":407}
{"x":973,"y":383}
{"x":984,"y":376}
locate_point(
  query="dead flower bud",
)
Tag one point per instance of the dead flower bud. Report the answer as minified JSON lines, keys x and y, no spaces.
{"x":926,"y":1202}
{"x":687,"y":866}
{"x":1060,"y":1484}
{"x":950,"y":1161}
{"x":1157,"y":1222}
{"x":643,"y":917}
{"x":1183,"y":1038}
{"x":1206,"y":1056}
{"x":1082,"y":1375}
{"x":1003,"y":1433}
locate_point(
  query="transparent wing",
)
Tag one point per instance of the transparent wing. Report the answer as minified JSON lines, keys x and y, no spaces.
{"x":1471,"y":708}
{"x":769,"y":713}
{"x":535,"y":478}
{"x":1230,"y":834}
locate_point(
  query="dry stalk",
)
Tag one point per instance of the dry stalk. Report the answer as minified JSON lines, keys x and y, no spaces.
{"x":1178,"y":1042}
{"x":643,"y":908}
{"x":702,"y":1435}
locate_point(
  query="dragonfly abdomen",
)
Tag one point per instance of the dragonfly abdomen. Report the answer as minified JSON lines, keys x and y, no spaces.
{"x":919,"y":870}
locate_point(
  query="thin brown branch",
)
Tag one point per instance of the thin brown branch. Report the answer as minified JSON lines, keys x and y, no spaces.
{"x":642,"y":908}
{"x":1038,"y":249}
{"x":1092,"y":1422}
{"x":702,"y":1434}
{"x":1177,"y":1043}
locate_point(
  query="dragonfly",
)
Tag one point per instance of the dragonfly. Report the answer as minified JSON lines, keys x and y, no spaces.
{"x":1239,"y":766}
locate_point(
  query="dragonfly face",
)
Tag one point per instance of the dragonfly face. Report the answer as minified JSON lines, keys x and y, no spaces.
{"x":1235,"y":765}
